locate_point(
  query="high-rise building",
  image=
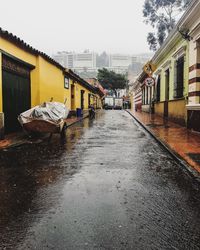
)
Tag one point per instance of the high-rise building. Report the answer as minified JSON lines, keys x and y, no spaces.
{"x":85,"y":61}
{"x":120,"y":63}
{"x":88,"y":63}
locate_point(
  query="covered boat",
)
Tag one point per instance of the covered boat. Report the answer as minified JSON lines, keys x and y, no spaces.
{"x":48,"y":117}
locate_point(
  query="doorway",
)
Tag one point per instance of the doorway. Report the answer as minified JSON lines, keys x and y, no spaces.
{"x":82,"y":99}
{"x":16,"y":92}
{"x":72,"y":97}
{"x":89,"y":100}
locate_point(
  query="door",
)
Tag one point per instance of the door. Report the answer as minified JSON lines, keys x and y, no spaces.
{"x":72,"y":97}
{"x":16,"y":95}
{"x":82,"y":99}
{"x":89,"y":100}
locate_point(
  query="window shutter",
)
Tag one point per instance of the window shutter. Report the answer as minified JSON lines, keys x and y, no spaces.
{"x":175,"y":79}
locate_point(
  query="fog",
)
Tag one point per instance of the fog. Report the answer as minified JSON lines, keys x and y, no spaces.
{"x":74,"y":25}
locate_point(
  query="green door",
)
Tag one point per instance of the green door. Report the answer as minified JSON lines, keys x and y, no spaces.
{"x":16,"y":99}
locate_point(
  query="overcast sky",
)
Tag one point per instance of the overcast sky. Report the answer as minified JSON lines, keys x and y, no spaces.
{"x":54,"y":25}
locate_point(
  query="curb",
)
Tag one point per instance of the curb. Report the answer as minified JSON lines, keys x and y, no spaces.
{"x":81,"y":119}
{"x":192,"y":173}
{"x":26,"y":142}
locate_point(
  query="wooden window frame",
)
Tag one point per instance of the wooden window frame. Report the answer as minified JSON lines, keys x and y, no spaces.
{"x":179,"y":77}
{"x":66,"y":82}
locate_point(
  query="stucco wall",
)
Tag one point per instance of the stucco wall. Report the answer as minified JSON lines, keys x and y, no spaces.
{"x":51,"y":81}
{"x":1,"y":101}
{"x":177,"y":110}
{"x":159,"y":108}
{"x":47,"y":80}
{"x":162,"y":66}
{"x":12,"y":50}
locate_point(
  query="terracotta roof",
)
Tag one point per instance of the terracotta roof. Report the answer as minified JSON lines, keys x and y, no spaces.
{"x":80,"y":80}
{"x":23,"y":45}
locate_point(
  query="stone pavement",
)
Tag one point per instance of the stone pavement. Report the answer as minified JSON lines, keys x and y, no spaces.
{"x":179,"y":139}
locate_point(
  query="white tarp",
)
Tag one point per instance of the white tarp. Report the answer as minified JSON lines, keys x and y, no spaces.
{"x":53,"y":112}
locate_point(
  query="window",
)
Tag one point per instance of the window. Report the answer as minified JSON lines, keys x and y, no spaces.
{"x":167,"y":77}
{"x":66,"y":82}
{"x":158,"y":89}
{"x":147,"y":95}
{"x":143,"y":95}
{"x":179,"y":78}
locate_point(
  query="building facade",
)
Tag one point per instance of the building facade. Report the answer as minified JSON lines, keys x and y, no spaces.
{"x":29,"y":77}
{"x":120,"y":63}
{"x":176,"y":93}
{"x":79,"y":62}
{"x":190,"y":25}
{"x":171,"y":85}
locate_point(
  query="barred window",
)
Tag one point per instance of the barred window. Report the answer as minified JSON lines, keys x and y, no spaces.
{"x":179,"y":78}
{"x":158,"y":89}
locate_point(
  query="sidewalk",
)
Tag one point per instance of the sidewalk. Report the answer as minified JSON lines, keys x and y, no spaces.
{"x":181,"y":141}
{"x":20,"y":138}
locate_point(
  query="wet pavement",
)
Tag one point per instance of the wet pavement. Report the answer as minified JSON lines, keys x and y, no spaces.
{"x":181,"y":140}
{"x":21,"y":138}
{"x":108,"y":186}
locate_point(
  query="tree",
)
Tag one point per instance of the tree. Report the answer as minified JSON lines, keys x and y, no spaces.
{"x":111,"y":80}
{"x":162,"y":16}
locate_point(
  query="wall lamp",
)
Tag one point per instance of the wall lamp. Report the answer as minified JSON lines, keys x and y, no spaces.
{"x":185,"y":34}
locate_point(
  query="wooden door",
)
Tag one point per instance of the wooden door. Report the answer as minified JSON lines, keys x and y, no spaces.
{"x":82,"y":99}
{"x":72,"y":97}
{"x":16,"y":94}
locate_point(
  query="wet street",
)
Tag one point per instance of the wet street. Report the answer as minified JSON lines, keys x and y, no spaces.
{"x":109,"y":186}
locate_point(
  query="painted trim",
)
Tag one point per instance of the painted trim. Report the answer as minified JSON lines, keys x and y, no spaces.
{"x":28,"y":65}
{"x":173,"y":100}
{"x":180,"y":52}
{"x":194,"y":67}
{"x":194,"y":93}
{"x":166,"y":65}
{"x":193,"y":107}
{"x":193,"y":80}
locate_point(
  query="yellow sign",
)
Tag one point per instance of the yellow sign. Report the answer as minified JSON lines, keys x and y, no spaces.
{"x":149,"y":68}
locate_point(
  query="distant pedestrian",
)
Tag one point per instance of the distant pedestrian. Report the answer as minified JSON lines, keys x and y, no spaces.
{"x":91,"y":112}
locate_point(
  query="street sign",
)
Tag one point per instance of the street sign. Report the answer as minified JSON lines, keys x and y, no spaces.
{"x":149,"y":81}
{"x":149,"y":68}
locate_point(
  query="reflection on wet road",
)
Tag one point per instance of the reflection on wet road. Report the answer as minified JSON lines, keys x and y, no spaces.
{"x":110,"y":186}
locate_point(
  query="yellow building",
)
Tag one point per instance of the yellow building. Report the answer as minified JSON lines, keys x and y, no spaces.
{"x":168,"y":95}
{"x":83,"y":94}
{"x":29,"y":77}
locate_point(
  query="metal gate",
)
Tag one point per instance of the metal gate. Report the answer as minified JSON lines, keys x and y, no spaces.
{"x":16,"y":92}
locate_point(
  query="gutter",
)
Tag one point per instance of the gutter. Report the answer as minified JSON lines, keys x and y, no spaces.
{"x":188,"y":171}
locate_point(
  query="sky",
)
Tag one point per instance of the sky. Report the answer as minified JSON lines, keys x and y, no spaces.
{"x":115,"y":26}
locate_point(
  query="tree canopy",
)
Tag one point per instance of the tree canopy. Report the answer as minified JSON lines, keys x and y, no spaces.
{"x":111,"y":80}
{"x":162,"y":16}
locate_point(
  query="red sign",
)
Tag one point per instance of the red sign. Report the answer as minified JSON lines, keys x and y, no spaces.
{"x":149,"y":81}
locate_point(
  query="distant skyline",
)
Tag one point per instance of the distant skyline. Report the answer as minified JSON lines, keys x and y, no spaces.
{"x":66,"y":25}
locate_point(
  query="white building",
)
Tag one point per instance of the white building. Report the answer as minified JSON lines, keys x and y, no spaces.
{"x":120,"y":63}
{"x":85,"y":61}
